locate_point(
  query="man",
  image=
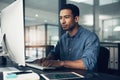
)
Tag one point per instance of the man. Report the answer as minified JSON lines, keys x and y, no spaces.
{"x":78,"y":48}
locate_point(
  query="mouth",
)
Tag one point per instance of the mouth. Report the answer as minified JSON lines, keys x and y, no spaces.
{"x":64,"y":26}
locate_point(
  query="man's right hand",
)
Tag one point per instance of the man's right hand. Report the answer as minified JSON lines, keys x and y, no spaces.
{"x":40,"y":61}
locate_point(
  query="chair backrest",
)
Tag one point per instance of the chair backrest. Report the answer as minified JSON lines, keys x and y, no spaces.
{"x":103,"y":59}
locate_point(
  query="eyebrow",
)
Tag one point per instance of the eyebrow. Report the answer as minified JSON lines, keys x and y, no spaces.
{"x":66,"y":16}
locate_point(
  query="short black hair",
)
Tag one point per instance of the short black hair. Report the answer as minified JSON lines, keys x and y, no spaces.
{"x":75,"y":10}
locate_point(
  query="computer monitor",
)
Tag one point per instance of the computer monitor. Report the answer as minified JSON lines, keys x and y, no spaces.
{"x":12,"y":25}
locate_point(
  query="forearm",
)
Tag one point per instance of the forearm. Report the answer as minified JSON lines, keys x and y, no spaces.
{"x":50,"y":57}
{"x":77,"y":64}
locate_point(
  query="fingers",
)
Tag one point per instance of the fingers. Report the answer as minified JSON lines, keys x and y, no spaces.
{"x":47,"y":63}
{"x":43,"y":59}
{"x":53,"y":63}
{"x":36,"y":61}
{"x":40,"y":61}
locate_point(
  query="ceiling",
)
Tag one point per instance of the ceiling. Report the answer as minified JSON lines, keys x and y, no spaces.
{"x":36,"y":4}
{"x":46,"y":5}
{"x":37,"y":11}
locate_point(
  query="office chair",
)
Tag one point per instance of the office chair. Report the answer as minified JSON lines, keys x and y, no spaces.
{"x":103,"y":59}
{"x":48,"y":49}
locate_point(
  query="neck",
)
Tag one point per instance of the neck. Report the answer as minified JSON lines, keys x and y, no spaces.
{"x":74,"y":31}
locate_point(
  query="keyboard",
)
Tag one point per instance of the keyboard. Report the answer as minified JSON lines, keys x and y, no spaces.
{"x":33,"y":65}
{"x":32,"y":59}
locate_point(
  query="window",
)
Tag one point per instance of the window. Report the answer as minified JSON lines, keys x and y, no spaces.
{"x":41,"y":21}
{"x":109,"y":20}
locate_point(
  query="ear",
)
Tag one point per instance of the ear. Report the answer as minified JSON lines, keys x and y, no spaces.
{"x":76,"y":18}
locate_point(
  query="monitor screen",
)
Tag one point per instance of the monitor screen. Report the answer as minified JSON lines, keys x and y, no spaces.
{"x":12,"y":25}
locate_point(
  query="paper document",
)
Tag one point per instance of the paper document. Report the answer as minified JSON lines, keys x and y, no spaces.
{"x":14,"y":75}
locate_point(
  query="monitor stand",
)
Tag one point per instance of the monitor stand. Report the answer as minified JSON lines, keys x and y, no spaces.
{"x":3,"y":60}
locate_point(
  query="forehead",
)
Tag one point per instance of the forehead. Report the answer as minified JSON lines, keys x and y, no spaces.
{"x":65,"y":12}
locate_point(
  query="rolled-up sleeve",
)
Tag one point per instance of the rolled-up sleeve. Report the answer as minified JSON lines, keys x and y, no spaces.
{"x":91,"y":52}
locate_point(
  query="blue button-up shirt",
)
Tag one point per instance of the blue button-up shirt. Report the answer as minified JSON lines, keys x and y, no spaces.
{"x":83,"y":45}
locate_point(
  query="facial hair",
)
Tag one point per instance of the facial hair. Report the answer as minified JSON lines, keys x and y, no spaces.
{"x":71,"y":27}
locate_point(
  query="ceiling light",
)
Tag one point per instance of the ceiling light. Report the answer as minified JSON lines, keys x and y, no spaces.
{"x":117,"y":28}
{"x":36,"y":15}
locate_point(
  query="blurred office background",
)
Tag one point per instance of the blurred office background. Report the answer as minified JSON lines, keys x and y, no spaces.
{"x":42,"y":27}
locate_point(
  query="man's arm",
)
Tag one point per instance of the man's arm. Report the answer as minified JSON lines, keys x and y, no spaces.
{"x":88,"y":59}
{"x":76,"y":64}
{"x":50,"y":57}
{"x":42,"y":60}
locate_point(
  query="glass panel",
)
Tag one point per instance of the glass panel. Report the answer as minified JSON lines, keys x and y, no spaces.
{"x":35,"y":39}
{"x":111,"y":29}
{"x":109,"y":20}
{"x":35,"y":35}
{"x":52,"y":36}
{"x":37,"y":14}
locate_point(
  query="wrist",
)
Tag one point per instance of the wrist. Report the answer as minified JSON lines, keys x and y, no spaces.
{"x":62,"y":63}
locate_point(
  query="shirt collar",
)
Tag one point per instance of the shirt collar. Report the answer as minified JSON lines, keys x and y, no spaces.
{"x":77,"y":34}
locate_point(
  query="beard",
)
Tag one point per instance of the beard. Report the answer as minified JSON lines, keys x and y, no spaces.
{"x":70,"y":28}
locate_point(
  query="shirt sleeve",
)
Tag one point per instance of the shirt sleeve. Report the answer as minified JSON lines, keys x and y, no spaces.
{"x":91,"y":52}
{"x":56,"y":51}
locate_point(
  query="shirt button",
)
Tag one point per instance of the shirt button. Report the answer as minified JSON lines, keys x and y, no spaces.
{"x":70,"y":49}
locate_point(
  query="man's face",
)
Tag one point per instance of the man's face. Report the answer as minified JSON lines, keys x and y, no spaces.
{"x":67,"y":20}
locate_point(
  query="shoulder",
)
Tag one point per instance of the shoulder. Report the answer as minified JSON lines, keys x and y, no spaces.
{"x":87,"y":34}
{"x":85,"y":31}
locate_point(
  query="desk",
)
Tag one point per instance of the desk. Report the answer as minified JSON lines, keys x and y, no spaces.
{"x":88,"y":74}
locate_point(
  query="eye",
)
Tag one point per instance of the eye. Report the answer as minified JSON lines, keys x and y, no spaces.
{"x":67,"y":16}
